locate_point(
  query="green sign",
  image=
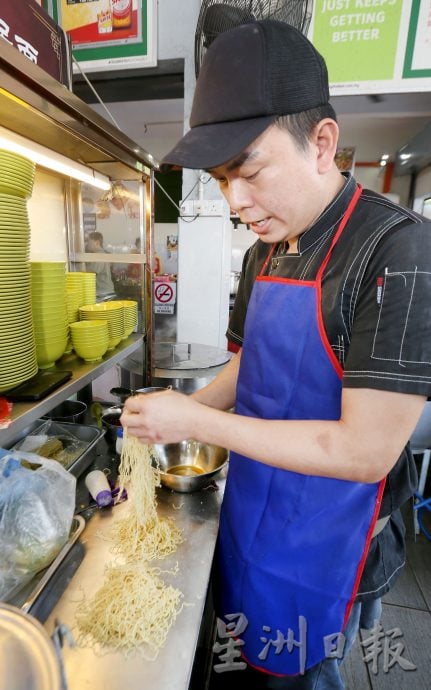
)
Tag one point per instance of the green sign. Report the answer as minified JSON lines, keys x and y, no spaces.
{"x":358,"y":38}
{"x":417,"y":61}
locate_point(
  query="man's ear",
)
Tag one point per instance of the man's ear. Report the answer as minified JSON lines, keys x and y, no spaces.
{"x":325,"y":139}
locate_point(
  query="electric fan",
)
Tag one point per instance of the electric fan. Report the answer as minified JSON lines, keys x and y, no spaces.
{"x":216,"y":17}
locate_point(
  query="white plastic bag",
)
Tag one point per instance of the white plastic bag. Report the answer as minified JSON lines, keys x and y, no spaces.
{"x":37,"y":503}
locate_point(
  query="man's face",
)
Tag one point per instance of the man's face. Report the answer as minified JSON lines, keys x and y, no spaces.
{"x":93,"y":245}
{"x":273,"y":186}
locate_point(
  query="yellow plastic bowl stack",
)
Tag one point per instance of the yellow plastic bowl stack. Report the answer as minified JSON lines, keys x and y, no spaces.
{"x":90,"y":339}
{"x":130,"y":315}
{"x":48,"y":298}
{"x":112,"y":312}
{"x":16,"y":175}
{"x":85,"y":283}
{"x":73,"y":302}
{"x":17,"y":346}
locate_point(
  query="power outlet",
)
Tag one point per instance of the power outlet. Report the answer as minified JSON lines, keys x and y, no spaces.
{"x":187,"y":208}
{"x":202,"y":207}
{"x":214,"y":208}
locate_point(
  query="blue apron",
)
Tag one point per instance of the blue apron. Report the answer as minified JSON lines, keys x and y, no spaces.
{"x":291,"y":547}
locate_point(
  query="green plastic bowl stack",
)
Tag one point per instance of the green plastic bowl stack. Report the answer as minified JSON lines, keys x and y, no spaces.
{"x":48,"y":298}
{"x":18,"y":361}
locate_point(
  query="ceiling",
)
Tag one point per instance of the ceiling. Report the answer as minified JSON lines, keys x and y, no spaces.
{"x":383,"y":123}
{"x":375,"y":125}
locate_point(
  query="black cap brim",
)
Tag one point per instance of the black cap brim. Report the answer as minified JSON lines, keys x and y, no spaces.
{"x":209,"y":146}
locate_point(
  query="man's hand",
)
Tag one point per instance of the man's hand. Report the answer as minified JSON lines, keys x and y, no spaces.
{"x":165,"y":417}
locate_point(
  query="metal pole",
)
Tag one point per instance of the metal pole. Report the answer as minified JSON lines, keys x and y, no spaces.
{"x":147,"y":283}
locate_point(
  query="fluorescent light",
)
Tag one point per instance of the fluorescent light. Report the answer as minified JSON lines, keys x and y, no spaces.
{"x":51,"y":160}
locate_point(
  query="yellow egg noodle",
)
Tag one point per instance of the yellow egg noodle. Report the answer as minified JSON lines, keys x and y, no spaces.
{"x":134,"y":608}
{"x":142,"y":534}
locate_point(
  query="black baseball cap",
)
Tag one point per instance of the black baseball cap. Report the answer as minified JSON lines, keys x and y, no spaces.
{"x":250,"y":75}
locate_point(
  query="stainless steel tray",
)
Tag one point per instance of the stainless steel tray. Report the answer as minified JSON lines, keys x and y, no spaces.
{"x":28,"y":595}
{"x":87,"y":433}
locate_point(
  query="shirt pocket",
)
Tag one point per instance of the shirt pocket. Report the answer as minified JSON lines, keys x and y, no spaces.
{"x":402,"y":331}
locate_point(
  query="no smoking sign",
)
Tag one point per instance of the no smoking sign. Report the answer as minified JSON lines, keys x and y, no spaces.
{"x":164,"y":296}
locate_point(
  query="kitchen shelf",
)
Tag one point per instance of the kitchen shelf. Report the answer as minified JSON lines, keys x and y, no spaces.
{"x":83,"y":373}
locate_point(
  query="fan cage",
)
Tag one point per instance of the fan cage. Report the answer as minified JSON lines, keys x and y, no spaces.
{"x":215,"y":17}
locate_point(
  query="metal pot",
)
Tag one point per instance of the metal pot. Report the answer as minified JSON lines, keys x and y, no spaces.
{"x":124,"y":393}
{"x":68,"y":411}
{"x":111,"y":422}
{"x":28,"y":659}
{"x":186,"y":367}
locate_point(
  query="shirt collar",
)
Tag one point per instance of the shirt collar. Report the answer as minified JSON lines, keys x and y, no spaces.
{"x":330,"y":217}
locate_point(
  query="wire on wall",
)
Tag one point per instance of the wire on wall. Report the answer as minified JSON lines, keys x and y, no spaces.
{"x":200,"y":176}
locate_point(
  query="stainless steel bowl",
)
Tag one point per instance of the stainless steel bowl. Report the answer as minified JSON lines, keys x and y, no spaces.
{"x":111,"y":422}
{"x":189,"y":465}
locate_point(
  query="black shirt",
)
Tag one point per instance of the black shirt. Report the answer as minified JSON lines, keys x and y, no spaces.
{"x":376,"y":306}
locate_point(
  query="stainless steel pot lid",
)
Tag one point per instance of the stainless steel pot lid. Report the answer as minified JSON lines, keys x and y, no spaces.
{"x":27,"y":656}
{"x":188,"y":356}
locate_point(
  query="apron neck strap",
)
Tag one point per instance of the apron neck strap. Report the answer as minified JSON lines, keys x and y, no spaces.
{"x":345,"y":219}
{"x":343,"y":223}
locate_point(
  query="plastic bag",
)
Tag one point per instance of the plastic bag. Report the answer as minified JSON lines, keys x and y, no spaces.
{"x":37,"y":503}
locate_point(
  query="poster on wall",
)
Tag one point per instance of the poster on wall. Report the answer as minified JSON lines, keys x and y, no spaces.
{"x":378,"y":46}
{"x":109,"y":34}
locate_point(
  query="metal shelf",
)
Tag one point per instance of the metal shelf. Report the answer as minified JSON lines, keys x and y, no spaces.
{"x":83,"y":373}
{"x":36,"y":106}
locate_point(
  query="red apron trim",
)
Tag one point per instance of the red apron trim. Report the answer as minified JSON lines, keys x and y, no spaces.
{"x":290,"y":281}
{"x":366,"y":549}
{"x":323,"y":335}
{"x":343,"y":223}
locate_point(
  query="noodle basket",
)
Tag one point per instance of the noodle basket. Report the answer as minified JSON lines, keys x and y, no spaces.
{"x":189,"y":465}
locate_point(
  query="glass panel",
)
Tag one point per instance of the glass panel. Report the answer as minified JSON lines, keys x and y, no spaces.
{"x":107,"y":238}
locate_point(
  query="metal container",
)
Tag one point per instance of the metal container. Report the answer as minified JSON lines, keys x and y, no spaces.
{"x":185,"y":367}
{"x":68,"y":411}
{"x":124,"y":393}
{"x":88,"y":434}
{"x":27,"y":656}
{"x":189,"y":465}
{"x":111,"y":422}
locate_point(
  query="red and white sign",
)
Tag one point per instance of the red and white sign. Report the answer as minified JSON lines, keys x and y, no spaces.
{"x":165,"y":294}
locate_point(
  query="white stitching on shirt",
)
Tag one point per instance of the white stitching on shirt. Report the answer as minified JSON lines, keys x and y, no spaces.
{"x":373,"y":591}
{"x":317,"y":246}
{"x":372,"y":242}
{"x":340,"y":348}
{"x":407,"y":315}
{"x":385,"y":377}
{"x":403,"y":274}
{"x":400,"y":375}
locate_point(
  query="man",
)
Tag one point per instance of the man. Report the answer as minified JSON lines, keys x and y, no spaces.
{"x":334,"y":367}
{"x":104,"y":284}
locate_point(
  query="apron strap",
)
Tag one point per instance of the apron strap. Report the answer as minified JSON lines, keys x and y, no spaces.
{"x":343,"y":223}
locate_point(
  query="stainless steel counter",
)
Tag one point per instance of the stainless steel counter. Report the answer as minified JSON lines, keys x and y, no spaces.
{"x":197,"y":515}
